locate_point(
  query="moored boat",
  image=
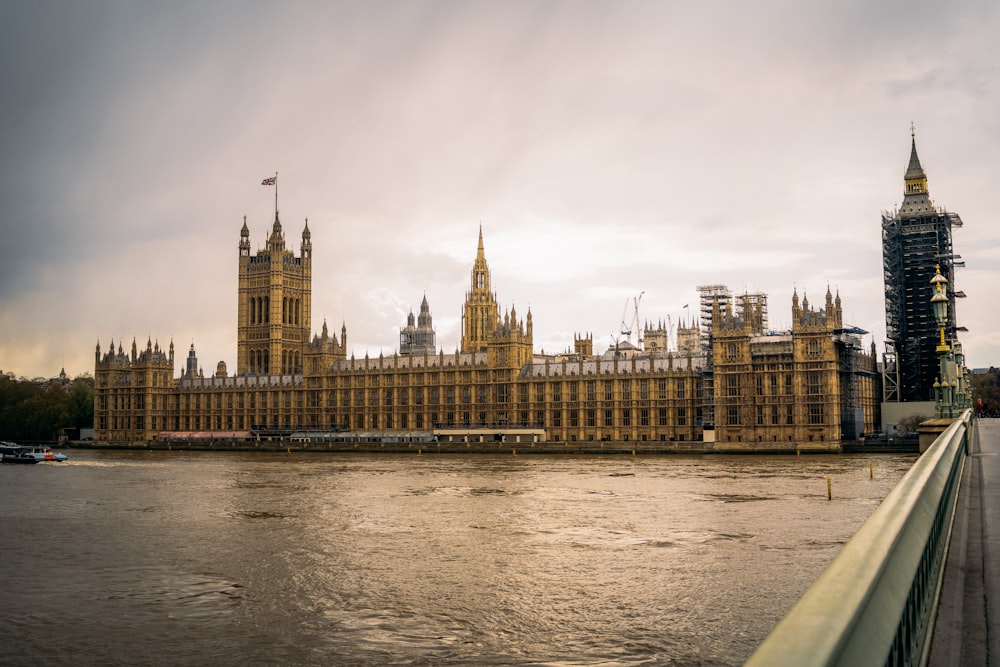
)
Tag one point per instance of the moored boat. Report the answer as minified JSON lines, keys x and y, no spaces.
{"x":11,"y":453}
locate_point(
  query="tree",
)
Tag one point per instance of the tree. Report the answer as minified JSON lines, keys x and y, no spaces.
{"x":908,"y":425}
{"x":38,"y":409}
{"x":986,"y":387}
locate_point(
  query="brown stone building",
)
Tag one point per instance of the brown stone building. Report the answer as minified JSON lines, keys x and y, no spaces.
{"x":494,"y":387}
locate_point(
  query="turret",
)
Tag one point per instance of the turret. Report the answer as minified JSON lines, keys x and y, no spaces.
{"x":276,"y":241}
{"x":245,"y":239}
{"x":306,"y":242}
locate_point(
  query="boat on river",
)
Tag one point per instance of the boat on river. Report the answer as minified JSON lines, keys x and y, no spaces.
{"x":11,"y":453}
{"x":42,"y":453}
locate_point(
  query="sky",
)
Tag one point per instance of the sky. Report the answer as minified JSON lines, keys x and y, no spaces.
{"x":606,"y":150}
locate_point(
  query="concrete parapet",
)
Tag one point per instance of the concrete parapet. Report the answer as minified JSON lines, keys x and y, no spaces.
{"x":929,"y":431}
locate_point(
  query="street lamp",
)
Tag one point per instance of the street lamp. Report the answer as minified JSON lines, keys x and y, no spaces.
{"x":939,"y":302}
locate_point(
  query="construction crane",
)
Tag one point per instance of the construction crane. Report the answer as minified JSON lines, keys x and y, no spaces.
{"x":632,"y":325}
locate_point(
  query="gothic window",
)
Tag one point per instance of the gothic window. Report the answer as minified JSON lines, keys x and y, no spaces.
{"x":815,"y":413}
{"x":733,"y":416}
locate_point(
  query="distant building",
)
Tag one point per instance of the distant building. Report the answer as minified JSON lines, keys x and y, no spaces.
{"x":418,"y":337}
{"x":916,"y":238}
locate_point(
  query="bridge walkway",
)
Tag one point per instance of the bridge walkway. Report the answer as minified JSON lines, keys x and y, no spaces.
{"x":967,"y":629}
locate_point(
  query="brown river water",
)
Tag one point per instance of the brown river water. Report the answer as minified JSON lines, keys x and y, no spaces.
{"x":178,"y":558}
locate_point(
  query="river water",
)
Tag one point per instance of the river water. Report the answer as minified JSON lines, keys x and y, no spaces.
{"x":179,"y":558}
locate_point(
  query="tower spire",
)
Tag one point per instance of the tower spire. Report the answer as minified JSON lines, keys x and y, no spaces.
{"x":916,"y":200}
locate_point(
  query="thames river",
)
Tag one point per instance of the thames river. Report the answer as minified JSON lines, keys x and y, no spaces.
{"x":176,"y":558}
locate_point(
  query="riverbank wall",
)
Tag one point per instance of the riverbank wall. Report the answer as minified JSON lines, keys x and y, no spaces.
{"x":627,"y":448}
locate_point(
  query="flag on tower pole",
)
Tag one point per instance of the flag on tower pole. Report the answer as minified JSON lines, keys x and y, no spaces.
{"x":273,"y":181}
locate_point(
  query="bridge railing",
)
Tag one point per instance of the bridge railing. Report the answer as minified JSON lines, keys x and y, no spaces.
{"x":874,"y":604}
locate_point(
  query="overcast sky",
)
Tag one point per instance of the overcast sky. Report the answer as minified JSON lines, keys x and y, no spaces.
{"x":606,"y":148}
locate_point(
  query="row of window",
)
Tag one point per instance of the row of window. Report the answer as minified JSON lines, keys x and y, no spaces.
{"x":814,"y":384}
{"x":772,"y":415}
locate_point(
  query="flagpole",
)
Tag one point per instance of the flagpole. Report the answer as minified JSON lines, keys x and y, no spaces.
{"x":275,"y":195}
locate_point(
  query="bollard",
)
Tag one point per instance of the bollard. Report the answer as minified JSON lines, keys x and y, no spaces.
{"x":419,"y":452}
{"x":829,"y":489}
{"x":514,"y":452}
{"x":633,"y":452}
{"x":871,"y":471}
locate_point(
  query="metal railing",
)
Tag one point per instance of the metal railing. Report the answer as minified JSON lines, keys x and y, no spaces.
{"x":874,"y":604}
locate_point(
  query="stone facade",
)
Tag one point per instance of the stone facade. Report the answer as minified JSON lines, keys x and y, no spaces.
{"x":287,"y":386}
{"x":810,"y":387}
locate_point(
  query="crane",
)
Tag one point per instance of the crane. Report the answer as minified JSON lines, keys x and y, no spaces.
{"x":633,"y":324}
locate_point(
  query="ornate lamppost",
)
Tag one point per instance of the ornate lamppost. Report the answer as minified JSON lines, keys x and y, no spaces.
{"x":943,"y":387}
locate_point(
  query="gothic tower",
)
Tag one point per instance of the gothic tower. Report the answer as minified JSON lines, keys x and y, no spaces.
{"x":418,"y":337}
{"x":275,"y":302}
{"x":915,"y":239}
{"x":481,"y":313}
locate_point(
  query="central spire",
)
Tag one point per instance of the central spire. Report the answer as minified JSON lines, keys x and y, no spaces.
{"x":480,"y":314}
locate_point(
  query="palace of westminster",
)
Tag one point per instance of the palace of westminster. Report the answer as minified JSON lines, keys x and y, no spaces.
{"x":725,"y":382}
